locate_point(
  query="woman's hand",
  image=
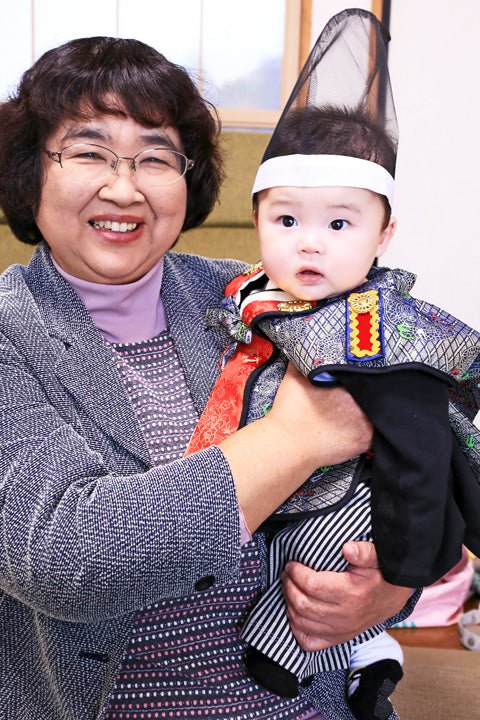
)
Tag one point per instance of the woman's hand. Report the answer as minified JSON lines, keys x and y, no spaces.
{"x":324,"y":423}
{"x":326,"y":608}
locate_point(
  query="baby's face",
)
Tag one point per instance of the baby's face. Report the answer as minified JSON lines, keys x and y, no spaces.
{"x":319,"y":242}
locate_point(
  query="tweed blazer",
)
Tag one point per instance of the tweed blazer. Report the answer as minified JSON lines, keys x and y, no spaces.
{"x":89,"y":531}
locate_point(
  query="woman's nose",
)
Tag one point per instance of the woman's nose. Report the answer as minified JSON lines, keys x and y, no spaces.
{"x":121,"y":186}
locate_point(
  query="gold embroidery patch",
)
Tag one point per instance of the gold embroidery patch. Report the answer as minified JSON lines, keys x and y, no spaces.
{"x":253,"y":269}
{"x":364,"y":324}
{"x":363,"y":302}
{"x":294,"y":305}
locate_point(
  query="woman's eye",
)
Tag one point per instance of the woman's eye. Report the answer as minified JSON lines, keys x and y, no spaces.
{"x":338,"y":224}
{"x":153,"y":160}
{"x":91,"y":155}
{"x":288,"y":221}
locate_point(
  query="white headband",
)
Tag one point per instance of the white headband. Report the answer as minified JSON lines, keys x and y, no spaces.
{"x":324,"y":171}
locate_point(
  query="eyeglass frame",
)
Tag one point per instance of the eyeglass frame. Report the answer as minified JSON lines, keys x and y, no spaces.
{"x":189,"y":163}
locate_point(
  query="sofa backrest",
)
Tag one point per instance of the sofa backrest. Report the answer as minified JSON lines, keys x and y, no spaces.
{"x":229,"y":231}
{"x":12,"y":250}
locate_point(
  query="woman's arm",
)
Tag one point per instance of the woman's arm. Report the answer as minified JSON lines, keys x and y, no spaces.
{"x":87,"y":533}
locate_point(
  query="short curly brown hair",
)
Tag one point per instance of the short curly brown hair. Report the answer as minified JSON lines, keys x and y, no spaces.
{"x":103,"y":75}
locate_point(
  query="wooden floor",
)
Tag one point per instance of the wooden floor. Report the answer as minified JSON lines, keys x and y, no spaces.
{"x":433,"y":637}
{"x":442,"y":677}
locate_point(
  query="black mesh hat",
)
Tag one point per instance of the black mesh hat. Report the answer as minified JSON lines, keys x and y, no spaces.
{"x":339,"y":126}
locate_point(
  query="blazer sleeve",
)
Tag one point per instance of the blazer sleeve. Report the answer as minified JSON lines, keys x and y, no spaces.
{"x":81,"y":542}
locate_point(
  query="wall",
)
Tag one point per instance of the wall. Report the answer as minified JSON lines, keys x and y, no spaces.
{"x":434,"y":58}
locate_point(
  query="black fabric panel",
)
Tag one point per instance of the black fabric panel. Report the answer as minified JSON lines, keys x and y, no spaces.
{"x":466,"y":490}
{"x":417,"y":525}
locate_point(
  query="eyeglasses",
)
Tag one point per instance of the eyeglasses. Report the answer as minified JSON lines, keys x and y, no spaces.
{"x":86,"y":162}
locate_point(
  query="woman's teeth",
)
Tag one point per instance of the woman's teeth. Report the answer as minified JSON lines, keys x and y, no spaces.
{"x":114,"y":226}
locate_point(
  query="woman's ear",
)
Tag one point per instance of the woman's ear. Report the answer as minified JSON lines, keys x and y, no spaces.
{"x":255,"y":216}
{"x":386,"y":235}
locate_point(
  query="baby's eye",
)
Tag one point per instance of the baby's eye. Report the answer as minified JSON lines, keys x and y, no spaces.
{"x":288,"y":221}
{"x":338,"y":224}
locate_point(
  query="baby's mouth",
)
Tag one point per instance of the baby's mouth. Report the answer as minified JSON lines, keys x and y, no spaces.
{"x":309,"y":273}
{"x":120,"y":227}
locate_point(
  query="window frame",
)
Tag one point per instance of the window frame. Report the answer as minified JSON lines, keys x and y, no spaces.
{"x":295,"y":51}
{"x":297,"y":46}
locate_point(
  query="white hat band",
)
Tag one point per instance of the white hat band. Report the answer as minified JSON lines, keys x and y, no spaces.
{"x":324,"y":171}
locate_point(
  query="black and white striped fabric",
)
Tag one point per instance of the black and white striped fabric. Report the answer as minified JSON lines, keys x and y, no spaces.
{"x":316,"y":542}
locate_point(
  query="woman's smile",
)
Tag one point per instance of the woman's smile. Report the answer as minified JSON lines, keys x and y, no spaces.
{"x":121,"y":228}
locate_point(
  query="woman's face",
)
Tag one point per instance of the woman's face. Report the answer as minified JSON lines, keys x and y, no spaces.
{"x":113,"y":230}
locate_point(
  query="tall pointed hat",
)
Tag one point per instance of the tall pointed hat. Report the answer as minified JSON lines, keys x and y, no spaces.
{"x":339,"y":126}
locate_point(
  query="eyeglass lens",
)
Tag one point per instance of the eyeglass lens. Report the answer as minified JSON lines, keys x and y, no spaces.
{"x":156,"y":166}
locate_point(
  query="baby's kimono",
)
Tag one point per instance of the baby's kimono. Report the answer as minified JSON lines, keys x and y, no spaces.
{"x":415,"y":370}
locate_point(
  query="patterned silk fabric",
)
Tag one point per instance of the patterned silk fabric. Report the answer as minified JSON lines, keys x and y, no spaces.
{"x":223,"y":411}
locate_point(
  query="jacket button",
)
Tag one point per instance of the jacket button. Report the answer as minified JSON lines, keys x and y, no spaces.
{"x":204,"y":583}
{"x":306,"y":682}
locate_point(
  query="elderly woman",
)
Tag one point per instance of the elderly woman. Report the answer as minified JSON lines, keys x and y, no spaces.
{"x":125,"y":570}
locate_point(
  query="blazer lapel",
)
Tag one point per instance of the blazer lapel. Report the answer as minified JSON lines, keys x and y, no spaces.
{"x":86,"y":367}
{"x":92,"y":379}
{"x":187,"y":295}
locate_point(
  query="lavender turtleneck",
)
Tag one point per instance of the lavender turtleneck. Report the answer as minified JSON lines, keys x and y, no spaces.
{"x":124,"y":313}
